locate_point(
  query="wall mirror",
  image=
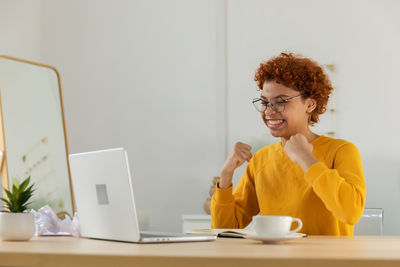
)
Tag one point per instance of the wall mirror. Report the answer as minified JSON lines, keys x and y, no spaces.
{"x":32,"y":134}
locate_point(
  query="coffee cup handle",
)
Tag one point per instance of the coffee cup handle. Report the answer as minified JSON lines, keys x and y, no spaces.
{"x":300,"y":225}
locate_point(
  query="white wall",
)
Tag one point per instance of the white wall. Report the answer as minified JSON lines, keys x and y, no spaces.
{"x":361,"y":38}
{"x":142,"y":75}
{"x":20,"y":28}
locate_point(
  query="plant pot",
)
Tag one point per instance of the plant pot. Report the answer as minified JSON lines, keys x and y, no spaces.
{"x":18,"y":226}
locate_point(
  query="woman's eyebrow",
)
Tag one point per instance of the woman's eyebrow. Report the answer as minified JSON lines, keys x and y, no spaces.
{"x":279,"y":96}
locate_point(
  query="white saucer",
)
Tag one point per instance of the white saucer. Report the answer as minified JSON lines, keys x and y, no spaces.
{"x":276,"y":239}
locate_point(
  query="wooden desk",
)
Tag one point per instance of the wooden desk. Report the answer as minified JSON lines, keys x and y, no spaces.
{"x":311,"y":251}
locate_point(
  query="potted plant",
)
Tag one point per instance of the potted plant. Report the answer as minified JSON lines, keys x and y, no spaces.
{"x":16,"y":223}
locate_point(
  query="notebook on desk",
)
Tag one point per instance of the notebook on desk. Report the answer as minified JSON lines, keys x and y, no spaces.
{"x":103,"y":190}
{"x":240,"y":233}
{"x":235,"y":233}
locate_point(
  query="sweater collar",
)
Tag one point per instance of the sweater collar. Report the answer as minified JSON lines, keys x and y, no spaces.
{"x":314,"y":142}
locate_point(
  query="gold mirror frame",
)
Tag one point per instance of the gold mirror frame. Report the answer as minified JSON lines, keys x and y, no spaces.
{"x":3,"y":153}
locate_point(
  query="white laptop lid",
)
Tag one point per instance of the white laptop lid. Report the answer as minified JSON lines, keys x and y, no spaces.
{"x":103,"y":195}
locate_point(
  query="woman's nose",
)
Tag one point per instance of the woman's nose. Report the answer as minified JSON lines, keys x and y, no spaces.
{"x":269,"y":111}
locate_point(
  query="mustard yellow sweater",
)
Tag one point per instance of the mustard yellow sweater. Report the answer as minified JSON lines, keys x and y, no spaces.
{"x":329,"y":197}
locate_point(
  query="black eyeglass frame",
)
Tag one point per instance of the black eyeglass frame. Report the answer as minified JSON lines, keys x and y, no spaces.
{"x":274,"y":108}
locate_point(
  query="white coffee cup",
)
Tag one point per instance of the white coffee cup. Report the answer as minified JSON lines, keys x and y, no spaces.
{"x":275,"y":225}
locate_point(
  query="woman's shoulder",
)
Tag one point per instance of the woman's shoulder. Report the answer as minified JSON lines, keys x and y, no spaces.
{"x":331,"y":143}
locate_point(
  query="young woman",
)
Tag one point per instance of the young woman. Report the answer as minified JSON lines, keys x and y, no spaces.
{"x":315,"y":178}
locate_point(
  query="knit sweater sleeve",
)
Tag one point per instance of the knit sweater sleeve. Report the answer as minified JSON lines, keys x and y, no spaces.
{"x":235,"y":210}
{"x":342,"y":189}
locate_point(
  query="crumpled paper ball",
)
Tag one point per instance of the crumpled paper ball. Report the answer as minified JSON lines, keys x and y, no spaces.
{"x":47,"y":223}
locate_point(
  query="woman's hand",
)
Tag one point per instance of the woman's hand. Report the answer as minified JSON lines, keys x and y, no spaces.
{"x":239,"y":154}
{"x":299,"y":151}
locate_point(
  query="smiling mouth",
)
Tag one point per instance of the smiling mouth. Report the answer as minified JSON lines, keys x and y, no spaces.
{"x":275,"y":123}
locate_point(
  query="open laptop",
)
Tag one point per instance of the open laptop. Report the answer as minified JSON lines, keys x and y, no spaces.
{"x":103,"y":191}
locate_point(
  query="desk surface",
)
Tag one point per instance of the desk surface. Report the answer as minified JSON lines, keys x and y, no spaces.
{"x":310,"y":251}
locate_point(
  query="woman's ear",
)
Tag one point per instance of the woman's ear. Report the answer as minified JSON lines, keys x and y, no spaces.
{"x":311,"y":105}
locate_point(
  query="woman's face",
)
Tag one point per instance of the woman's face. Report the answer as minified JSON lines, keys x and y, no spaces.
{"x":294,"y":118}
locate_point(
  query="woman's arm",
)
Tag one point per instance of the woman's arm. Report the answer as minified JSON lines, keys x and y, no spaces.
{"x":342,"y":189}
{"x":235,"y":210}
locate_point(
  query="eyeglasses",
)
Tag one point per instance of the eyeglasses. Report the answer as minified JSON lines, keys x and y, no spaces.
{"x":278,"y":105}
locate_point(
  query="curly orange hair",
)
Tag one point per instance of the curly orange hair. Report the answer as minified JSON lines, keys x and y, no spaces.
{"x":301,"y":74}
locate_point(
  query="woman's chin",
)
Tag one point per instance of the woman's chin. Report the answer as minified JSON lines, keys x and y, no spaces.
{"x":281,"y":131}
{"x":280,"y":134}
{"x":275,"y":134}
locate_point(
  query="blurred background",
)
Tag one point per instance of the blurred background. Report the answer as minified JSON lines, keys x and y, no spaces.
{"x":172,"y":82}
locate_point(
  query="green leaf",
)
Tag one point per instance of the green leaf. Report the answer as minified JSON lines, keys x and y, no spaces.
{"x":8,"y":204}
{"x":30,"y":189}
{"x":15,"y":189}
{"x":15,"y":209}
{"x":24,"y":197}
{"x":10,"y":195}
{"x":20,"y":195}
{"x":26,"y":207}
{"x":15,"y":183}
{"x":24,"y":184}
